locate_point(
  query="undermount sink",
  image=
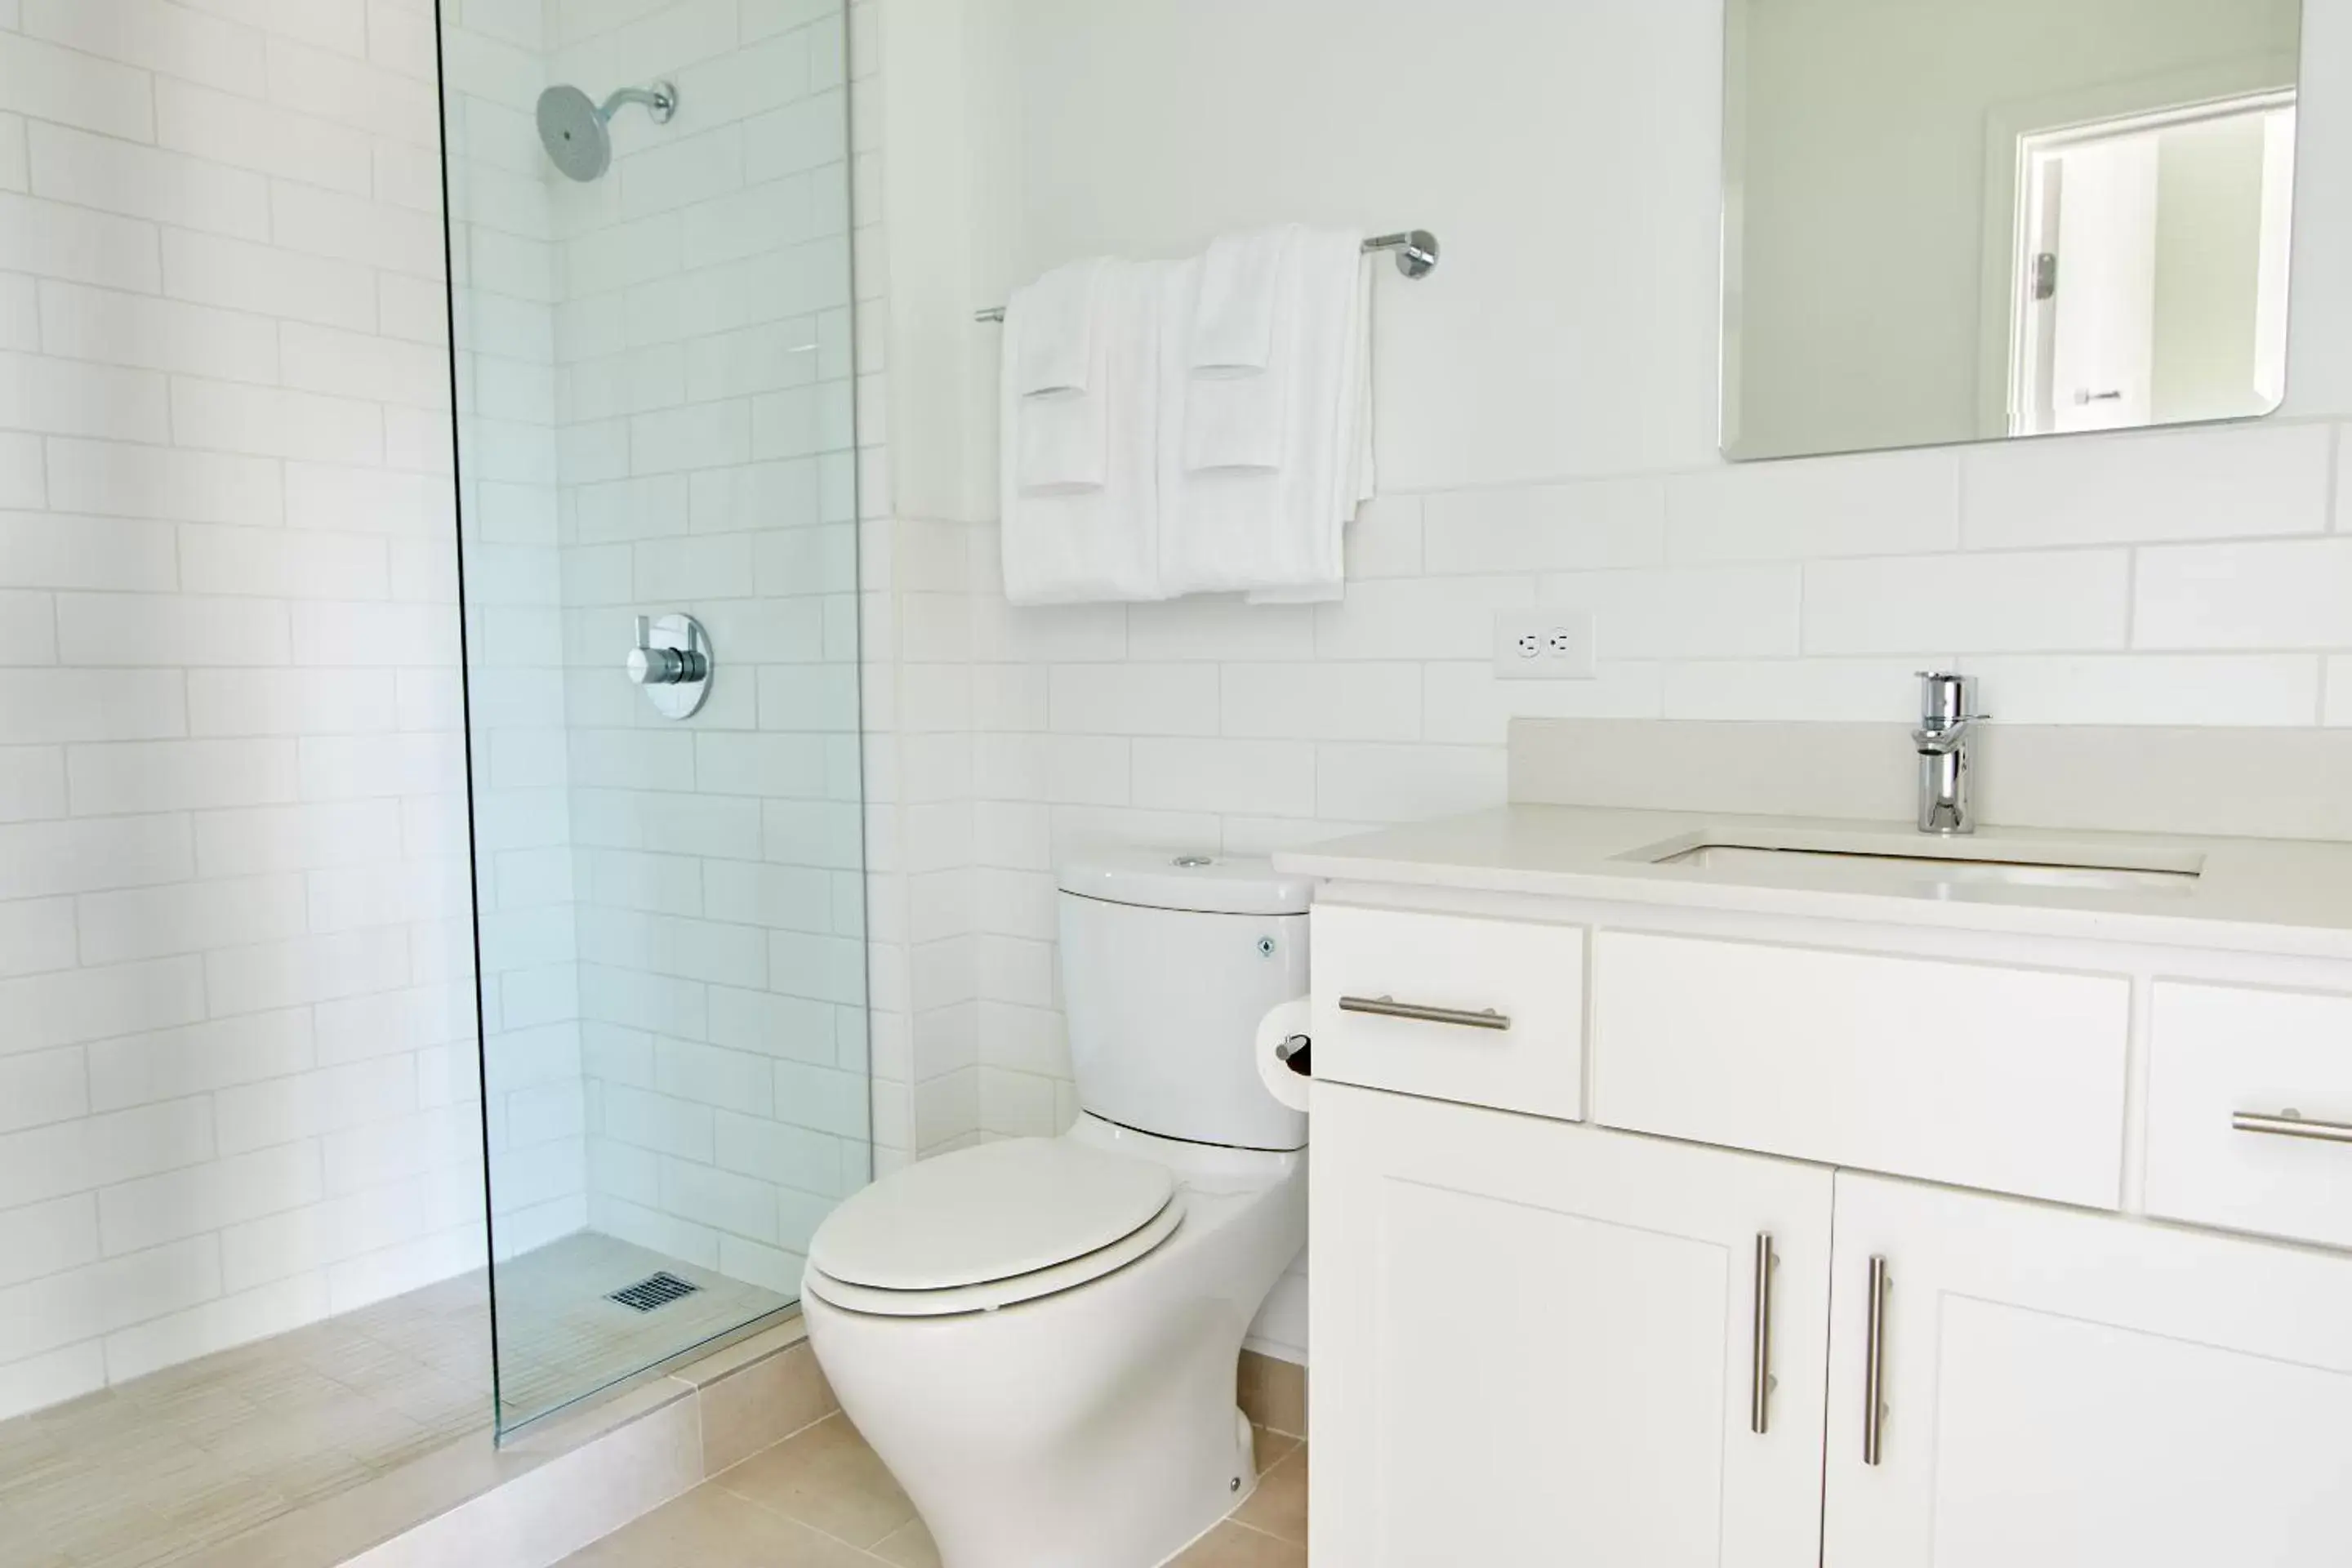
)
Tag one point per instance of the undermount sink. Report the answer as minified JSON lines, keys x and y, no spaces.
{"x":1934,"y":866}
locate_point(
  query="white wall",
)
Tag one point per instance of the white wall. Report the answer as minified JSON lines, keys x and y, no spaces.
{"x":1546,"y":437}
{"x":237,"y":1071}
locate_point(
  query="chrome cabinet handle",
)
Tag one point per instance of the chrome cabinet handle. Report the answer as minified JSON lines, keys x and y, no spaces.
{"x":1389,"y":1007}
{"x":1759,"y":1372}
{"x":1873,"y":1372}
{"x":2292,"y":1124}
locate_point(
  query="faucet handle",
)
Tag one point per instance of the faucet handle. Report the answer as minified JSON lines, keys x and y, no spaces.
{"x":1947,"y":698}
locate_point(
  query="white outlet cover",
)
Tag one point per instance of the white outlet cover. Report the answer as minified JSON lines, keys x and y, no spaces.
{"x":1544,"y":644}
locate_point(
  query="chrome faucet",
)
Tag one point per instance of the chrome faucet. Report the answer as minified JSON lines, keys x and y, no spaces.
{"x":1947,"y":722}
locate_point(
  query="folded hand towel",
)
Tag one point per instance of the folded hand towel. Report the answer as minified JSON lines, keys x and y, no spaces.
{"x":1236,"y":422}
{"x":1077,"y":544}
{"x":1237,"y":404}
{"x":1055,"y":349}
{"x":1057,"y":408}
{"x":1064,"y":442}
{"x":1232,"y":324}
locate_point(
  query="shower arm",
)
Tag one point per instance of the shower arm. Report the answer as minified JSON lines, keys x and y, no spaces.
{"x":660,"y":99}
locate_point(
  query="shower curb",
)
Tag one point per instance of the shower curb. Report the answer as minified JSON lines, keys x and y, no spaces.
{"x":566,"y":1482}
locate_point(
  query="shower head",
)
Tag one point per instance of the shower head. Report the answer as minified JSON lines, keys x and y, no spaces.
{"x":576,"y":130}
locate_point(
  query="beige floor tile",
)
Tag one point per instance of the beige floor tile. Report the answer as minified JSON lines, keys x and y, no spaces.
{"x":828,"y":1478}
{"x":1278,"y":1507}
{"x":1234,"y":1545}
{"x":761,"y":1403}
{"x":20,"y":1553}
{"x":909,"y":1546}
{"x":711,"y":1527}
{"x":1268,"y":1449}
{"x":827,"y":1481}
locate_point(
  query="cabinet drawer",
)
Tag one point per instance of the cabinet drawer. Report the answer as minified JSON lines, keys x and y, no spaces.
{"x":2220,"y":1053}
{"x":2009,"y":1080}
{"x":1486,"y":1011}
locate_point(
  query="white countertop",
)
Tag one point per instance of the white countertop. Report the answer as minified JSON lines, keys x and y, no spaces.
{"x":2271,"y":896}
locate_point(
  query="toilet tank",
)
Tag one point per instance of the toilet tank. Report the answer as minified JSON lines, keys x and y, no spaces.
{"x":1168,"y":961}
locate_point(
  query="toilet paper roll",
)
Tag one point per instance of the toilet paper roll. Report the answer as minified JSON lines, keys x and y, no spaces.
{"x":1276,"y":1031}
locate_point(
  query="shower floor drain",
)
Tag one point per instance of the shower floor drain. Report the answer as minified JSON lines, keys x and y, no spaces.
{"x":654,"y":1290}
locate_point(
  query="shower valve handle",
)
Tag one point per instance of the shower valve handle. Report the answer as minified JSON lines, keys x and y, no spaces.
{"x":651,"y":666}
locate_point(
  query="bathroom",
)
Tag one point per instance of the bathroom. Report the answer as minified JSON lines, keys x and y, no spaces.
{"x":378,"y":1010}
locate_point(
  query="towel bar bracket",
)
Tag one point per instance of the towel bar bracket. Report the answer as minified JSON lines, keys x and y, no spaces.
{"x":1416,"y":250}
{"x":1416,"y":257}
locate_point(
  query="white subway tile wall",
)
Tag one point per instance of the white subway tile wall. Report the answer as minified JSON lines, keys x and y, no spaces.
{"x":237,"y":1078}
{"x":703,"y":943}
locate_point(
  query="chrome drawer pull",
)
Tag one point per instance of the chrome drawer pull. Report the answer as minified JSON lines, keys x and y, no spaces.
{"x":1389,"y":1007}
{"x":1873,"y":1370}
{"x":2292,"y":1124}
{"x":1760,"y":1371}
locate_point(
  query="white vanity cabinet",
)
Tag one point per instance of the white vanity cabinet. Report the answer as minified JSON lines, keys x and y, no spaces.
{"x":1536,"y":1343}
{"x":2062,"y":1389}
{"x":2120,"y":1331}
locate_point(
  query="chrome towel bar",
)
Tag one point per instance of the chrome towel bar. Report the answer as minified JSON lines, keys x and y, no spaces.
{"x":1416,"y":257}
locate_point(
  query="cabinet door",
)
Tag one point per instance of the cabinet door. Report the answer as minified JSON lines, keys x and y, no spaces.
{"x":1534,"y":1344}
{"x":2061,"y":1388}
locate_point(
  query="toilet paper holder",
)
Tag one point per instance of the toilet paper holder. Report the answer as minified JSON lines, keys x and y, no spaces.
{"x":1294,"y":1053}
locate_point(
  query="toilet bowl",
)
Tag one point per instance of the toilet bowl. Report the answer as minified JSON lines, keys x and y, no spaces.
{"x":1039,"y":1336}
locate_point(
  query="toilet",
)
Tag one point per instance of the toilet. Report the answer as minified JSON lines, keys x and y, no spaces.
{"x":1039,"y":1336}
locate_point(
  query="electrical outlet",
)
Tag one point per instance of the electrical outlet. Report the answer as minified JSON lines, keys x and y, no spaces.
{"x":1544,"y":644}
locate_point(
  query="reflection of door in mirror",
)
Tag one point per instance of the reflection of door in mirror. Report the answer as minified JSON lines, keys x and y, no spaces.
{"x":2149,"y":278}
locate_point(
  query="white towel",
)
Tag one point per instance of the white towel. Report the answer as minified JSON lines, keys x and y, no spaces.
{"x":1232,"y":324}
{"x":1054,"y":351}
{"x":1326,"y":578}
{"x":1077,"y":544}
{"x":1053,"y":348}
{"x":1237,"y":407}
{"x":1273,"y":531}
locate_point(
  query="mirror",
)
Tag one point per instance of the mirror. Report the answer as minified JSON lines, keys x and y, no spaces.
{"x":1969,"y":221}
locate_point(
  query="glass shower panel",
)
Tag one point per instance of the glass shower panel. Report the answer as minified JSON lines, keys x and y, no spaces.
{"x":650,"y":227}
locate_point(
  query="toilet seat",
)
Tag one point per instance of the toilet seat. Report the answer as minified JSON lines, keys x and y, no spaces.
{"x":989,"y":1227}
{"x":991,"y":1294}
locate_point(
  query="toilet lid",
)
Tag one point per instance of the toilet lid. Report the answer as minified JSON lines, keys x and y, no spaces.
{"x":988,"y":1214}
{"x":998,"y":1293}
